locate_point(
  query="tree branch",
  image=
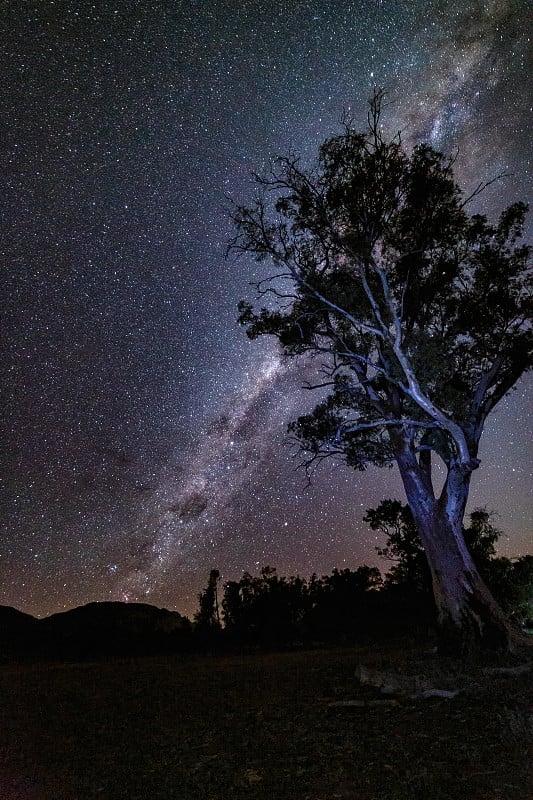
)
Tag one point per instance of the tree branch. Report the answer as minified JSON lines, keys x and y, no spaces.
{"x":390,"y":422}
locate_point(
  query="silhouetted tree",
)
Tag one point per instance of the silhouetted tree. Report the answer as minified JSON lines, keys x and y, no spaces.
{"x":266,"y":608}
{"x":342,"y":607}
{"x":520,"y":586}
{"x":511,"y":581}
{"x":207,"y":617}
{"x":422,"y":315}
{"x":272,"y":609}
{"x":403,"y":547}
{"x":481,"y":537}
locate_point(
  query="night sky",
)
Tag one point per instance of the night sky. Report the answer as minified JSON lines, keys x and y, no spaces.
{"x":143,"y":436}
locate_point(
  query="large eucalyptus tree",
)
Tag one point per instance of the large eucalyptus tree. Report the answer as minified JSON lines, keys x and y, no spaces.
{"x":421,"y":314}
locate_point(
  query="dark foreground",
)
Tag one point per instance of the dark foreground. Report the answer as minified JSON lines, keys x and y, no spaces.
{"x":259,"y":726}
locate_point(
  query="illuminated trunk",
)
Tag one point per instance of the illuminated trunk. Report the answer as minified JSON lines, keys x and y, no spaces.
{"x":469,"y":619}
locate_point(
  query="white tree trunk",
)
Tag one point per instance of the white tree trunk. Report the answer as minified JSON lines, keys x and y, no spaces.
{"x":469,"y":618}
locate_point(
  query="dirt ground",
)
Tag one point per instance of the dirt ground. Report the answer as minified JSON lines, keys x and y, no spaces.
{"x":261,"y":726}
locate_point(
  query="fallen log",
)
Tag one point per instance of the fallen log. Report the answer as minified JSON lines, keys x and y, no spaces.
{"x":510,"y":672}
{"x":362,"y":703}
{"x":415,"y":687}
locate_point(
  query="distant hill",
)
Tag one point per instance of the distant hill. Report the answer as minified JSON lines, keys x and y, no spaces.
{"x":18,"y":633}
{"x":13,"y":620}
{"x":96,"y":629}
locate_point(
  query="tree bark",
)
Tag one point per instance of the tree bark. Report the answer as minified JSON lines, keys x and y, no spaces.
{"x":469,"y":619}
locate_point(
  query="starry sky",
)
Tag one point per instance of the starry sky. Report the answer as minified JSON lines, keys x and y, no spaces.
{"x":143,"y":436}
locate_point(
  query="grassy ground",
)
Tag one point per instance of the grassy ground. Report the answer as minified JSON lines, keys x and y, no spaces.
{"x":258,"y":727}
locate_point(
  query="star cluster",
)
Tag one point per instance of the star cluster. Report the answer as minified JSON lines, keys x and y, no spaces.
{"x":144,"y":436}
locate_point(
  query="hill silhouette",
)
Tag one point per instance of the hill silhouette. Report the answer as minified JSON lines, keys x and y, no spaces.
{"x":18,"y":633}
{"x":92,"y":630}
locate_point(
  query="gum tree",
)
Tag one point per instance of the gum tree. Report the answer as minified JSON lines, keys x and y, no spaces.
{"x":420,"y":316}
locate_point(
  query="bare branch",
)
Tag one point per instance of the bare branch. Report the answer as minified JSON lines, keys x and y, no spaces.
{"x":390,"y":422}
{"x":482,"y":186}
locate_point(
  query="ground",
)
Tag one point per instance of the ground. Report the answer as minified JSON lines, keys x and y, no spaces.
{"x":258,"y":726}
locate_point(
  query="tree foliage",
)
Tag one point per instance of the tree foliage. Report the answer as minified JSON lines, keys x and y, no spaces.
{"x":208,"y":616}
{"x":422,"y":311}
{"x":512,"y":583}
{"x":403,"y":547}
{"x":271,"y":609}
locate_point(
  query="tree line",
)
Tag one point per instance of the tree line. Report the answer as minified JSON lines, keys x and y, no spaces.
{"x":361,"y":604}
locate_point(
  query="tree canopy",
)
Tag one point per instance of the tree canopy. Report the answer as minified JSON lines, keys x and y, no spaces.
{"x":422,"y":311}
{"x":420,"y":316}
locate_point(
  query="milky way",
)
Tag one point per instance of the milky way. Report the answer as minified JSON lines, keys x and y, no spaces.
{"x":145,"y":436}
